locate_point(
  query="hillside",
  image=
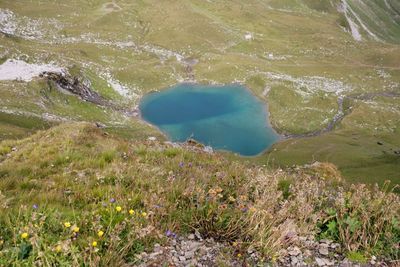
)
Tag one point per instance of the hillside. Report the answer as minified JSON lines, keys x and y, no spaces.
{"x":332,"y":96}
{"x":65,"y":188}
{"x":84,"y":181}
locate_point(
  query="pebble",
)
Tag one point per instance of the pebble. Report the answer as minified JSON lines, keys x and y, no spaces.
{"x":294,"y":252}
{"x":197,"y":234}
{"x":323,"y":251}
{"x":320,"y":262}
{"x":325,"y":241}
{"x":189,"y":254}
{"x":194,"y":251}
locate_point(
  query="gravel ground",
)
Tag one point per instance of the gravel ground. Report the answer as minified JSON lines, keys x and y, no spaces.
{"x":195,"y":251}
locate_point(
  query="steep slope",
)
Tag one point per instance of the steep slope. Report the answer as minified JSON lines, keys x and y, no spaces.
{"x":297,"y":56}
{"x":378,"y":20}
{"x":75,"y":195}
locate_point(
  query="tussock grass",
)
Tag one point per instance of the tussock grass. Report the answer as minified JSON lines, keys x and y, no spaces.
{"x":135,"y":191}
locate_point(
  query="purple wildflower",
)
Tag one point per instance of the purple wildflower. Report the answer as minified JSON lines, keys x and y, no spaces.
{"x":112,"y":200}
{"x":168,"y":233}
{"x":181,"y":164}
{"x":35,"y":206}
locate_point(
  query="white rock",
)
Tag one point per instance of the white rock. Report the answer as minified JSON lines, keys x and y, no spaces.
{"x":20,"y":70}
{"x":248,"y":36}
{"x":320,"y":262}
{"x":323,"y":251}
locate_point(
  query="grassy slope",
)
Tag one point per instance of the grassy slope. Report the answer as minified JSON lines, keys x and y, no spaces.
{"x":73,"y":170}
{"x":131,"y":42}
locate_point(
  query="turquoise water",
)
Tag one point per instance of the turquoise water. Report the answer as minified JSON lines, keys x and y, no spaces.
{"x":223,"y":117}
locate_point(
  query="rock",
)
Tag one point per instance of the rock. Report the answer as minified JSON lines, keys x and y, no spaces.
{"x":294,"y":260}
{"x":307,"y":253}
{"x":197,"y":234}
{"x":335,"y":245}
{"x":189,"y":255}
{"x":320,"y":262}
{"x":193,"y":245}
{"x":76,"y":86}
{"x":182,"y":258}
{"x":154,"y":255}
{"x":100,"y":125}
{"x":191,"y":237}
{"x":328,"y":262}
{"x":152,"y":138}
{"x":208,"y":149}
{"x":294,"y":251}
{"x":157,"y":248}
{"x":379,"y":143}
{"x":14,"y":149}
{"x":248,"y":36}
{"x":323,"y":251}
{"x":326,"y":241}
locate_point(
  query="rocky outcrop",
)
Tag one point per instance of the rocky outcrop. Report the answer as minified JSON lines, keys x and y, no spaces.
{"x":75,"y":86}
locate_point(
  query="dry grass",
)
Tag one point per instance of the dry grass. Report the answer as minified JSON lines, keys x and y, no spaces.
{"x":72,"y":171}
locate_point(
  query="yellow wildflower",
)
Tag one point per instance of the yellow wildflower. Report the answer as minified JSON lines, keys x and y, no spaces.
{"x":239,"y":255}
{"x":144,"y":214}
{"x":94,"y":244}
{"x":58,"y":248}
{"x":218,"y":190}
{"x":118,"y":208}
{"x":76,"y":229}
{"x":231,"y":199}
{"x":67,"y":224}
{"x":212,"y":192}
{"x":131,"y":212}
{"x":100,"y":233}
{"x":234,"y":244}
{"x":243,"y":198}
{"x":24,"y":235}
